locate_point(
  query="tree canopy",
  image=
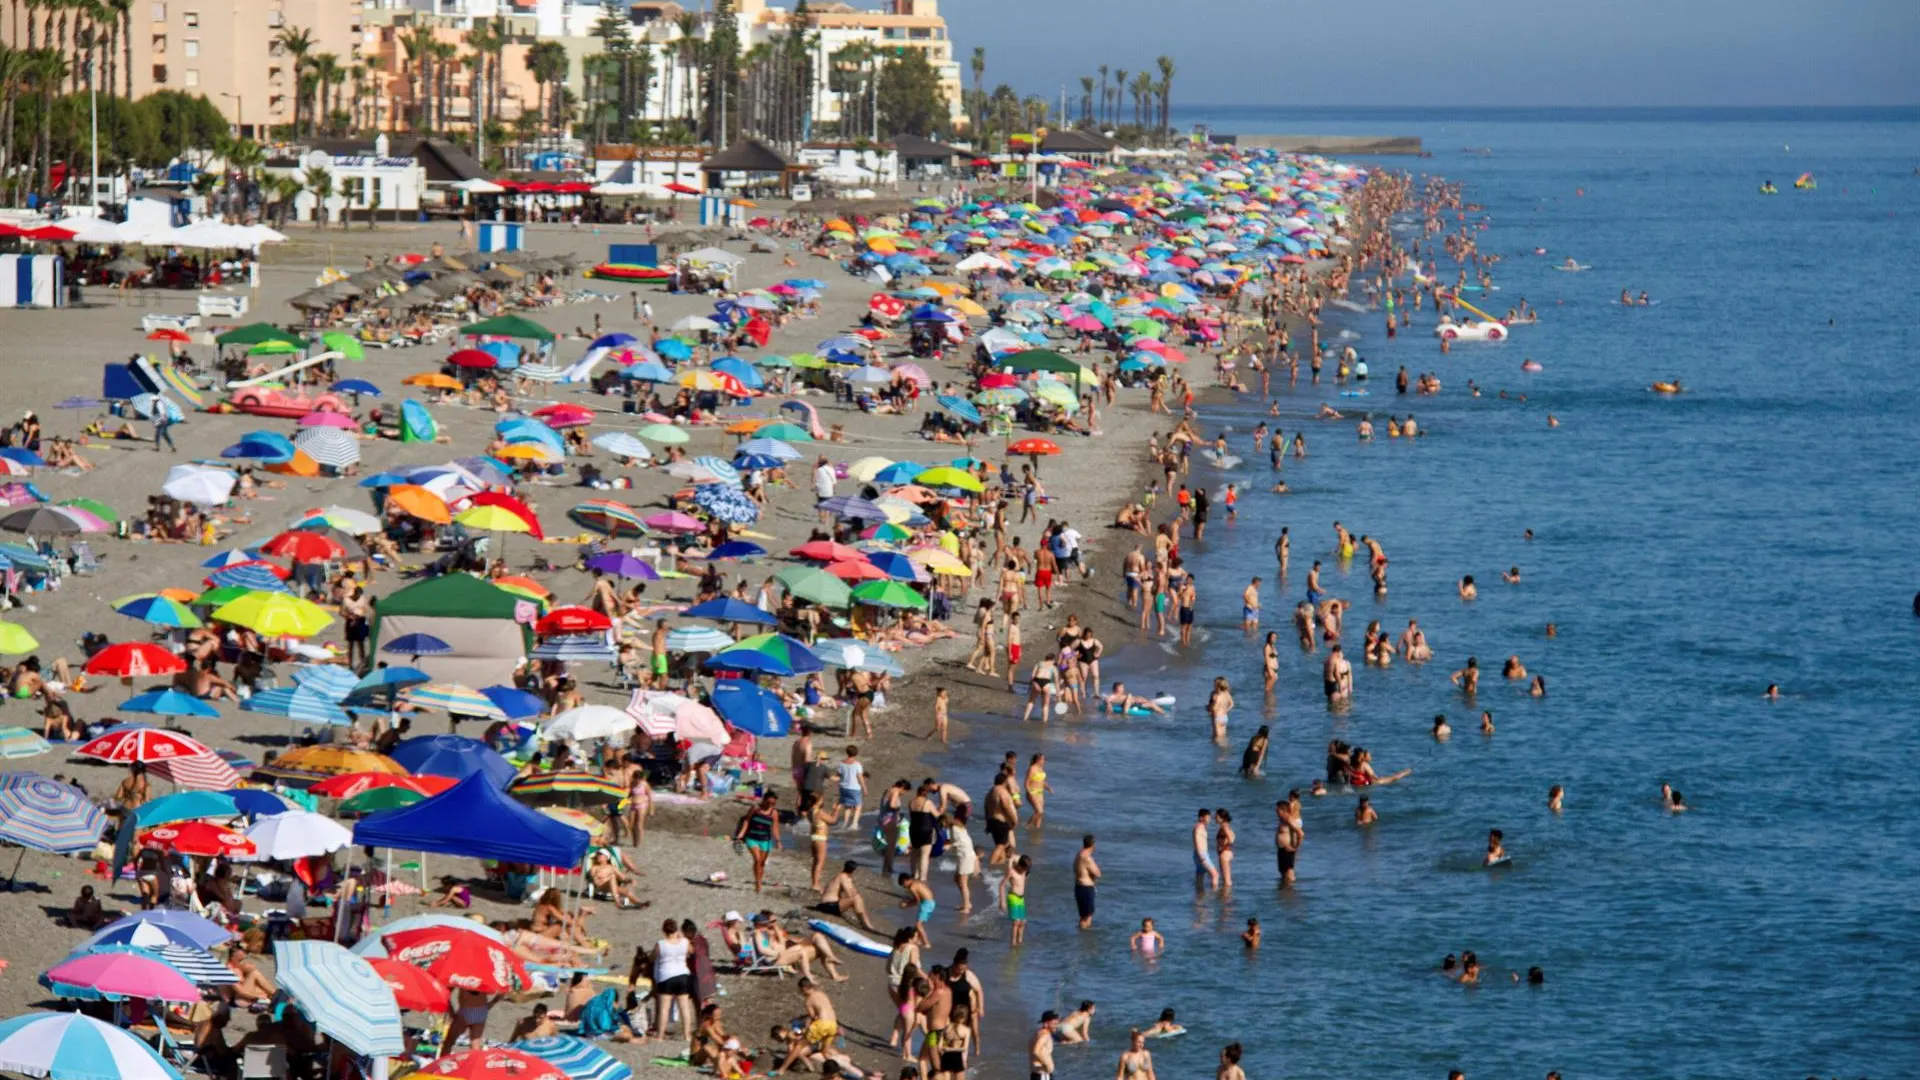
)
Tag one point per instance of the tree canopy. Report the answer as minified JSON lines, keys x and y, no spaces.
{"x":911,"y":101}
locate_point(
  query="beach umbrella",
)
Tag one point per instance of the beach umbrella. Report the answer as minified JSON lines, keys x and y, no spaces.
{"x":663,"y":433}
{"x":492,"y":519}
{"x":851,"y":506}
{"x":417,"y":645}
{"x":727,"y":609}
{"x":773,"y":448}
{"x":498,"y":500}
{"x":128,"y":743}
{"x":70,"y":1046}
{"x":460,"y":958}
{"x":861,"y":569}
{"x":416,"y":501}
{"x":256,"y":334}
{"x":118,"y":976}
{"x":236,"y":557}
{"x":697,"y":639}
{"x":623,"y":564}
{"x":186,"y":806}
{"x":784,"y":651}
{"x":495,"y":1063}
{"x":249,"y":577}
{"x":576,"y":1057}
{"x":199,"y":838}
{"x":197,"y":965}
{"x":728,"y":504}
{"x":586,"y":723}
{"x":572,"y":785}
{"x":827,"y":551}
{"x":356,"y":387}
{"x":386,"y":682}
{"x":199,"y":485}
{"x":854,"y":654}
{"x":211,"y":771}
{"x":946,"y":476}
{"x":329,"y":446}
{"x":298,"y":834}
{"x":256,"y":802}
{"x":621,"y":444}
{"x":507,"y":326}
{"x":816,"y":585}
{"x":674,"y":522}
{"x":304,"y":765}
{"x":134,"y":660}
{"x":304,"y":547}
{"x":274,"y":615}
{"x":572,"y":619}
{"x":18,"y":742}
{"x":785,"y":432}
{"x":41,"y":520}
{"x":331,"y":681}
{"x":158,"y":610}
{"x":344,"y":518}
{"x":414,"y":990}
{"x":351,"y":785}
{"x":150,"y":405}
{"x":373,"y":945}
{"x":736,"y":549}
{"x":867,"y":469}
{"x":453,"y":699}
{"x":16,"y":640}
{"x":745,"y":461}
{"x":47,"y":815}
{"x":515,"y":703}
{"x":299,"y":705}
{"x":341,"y":994}
{"x":751,"y":708}
{"x":159,"y":927}
{"x":608,"y":516}
{"x":575,"y":648}
{"x":670,"y":715}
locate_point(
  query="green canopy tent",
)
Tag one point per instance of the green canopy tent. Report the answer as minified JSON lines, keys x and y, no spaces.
{"x":257,"y":334}
{"x":1042,"y":360}
{"x":489,"y":628}
{"x":507,"y":326}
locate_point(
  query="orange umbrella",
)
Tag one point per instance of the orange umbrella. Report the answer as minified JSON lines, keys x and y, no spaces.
{"x":1033,"y":447}
{"x":432,"y":379}
{"x":417,"y":501}
{"x":523,"y":584}
{"x":300,"y":464}
{"x":746,"y":426}
{"x":185,"y":596}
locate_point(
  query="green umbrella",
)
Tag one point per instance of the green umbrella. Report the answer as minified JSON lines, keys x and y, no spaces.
{"x":221,"y":596}
{"x":789,"y":432}
{"x":274,"y":348}
{"x":814,"y":584}
{"x":510,"y":326}
{"x":95,"y":507}
{"x":1146,"y":327}
{"x":808,"y":363}
{"x":1038,"y":360}
{"x":664,"y":433}
{"x":254,"y":334}
{"x":891,"y":594}
{"x":345,"y":344}
{"x":382,"y":798}
{"x":775,"y":361}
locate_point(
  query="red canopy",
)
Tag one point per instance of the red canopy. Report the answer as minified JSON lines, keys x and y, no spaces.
{"x":682,"y":188}
{"x":413,"y":988}
{"x":304,"y":547}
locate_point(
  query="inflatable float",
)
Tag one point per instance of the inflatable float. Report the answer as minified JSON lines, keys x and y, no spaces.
{"x":1574,"y":268}
{"x":261,"y":401}
{"x":629,"y":272}
{"x":1667,"y":388}
{"x":1165,"y":701}
{"x":1484,"y":328}
{"x":851,"y":938}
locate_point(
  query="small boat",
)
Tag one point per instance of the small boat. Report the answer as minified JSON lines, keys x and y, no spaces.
{"x":1470,"y":330}
{"x":1673,"y":387}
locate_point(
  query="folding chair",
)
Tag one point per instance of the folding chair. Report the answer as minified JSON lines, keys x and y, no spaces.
{"x":80,"y":555}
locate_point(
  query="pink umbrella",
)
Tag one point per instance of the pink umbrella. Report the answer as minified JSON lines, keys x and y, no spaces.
{"x":1086,"y":324}
{"x":915,"y":372}
{"x":661,"y":714}
{"x":674,"y":521}
{"x":86,"y":519}
{"x":123,"y":975}
{"x":16,"y":495}
{"x":325,"y":418}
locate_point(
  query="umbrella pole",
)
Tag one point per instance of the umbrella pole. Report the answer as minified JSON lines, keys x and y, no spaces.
{"x":14,"y":876}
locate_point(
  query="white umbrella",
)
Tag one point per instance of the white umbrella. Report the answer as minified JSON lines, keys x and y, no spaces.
{"x":979,"y":260}
{"x":478,"y":185}
{"x":346,"y":519}
{"x":621,"y":444}
{"x":298,"y":834}
{"x":102,"y":231}
{"x":199,"y":485}
{"x":329,"y":446}
{"x":696,"y":322}
{"x":589,"y":722}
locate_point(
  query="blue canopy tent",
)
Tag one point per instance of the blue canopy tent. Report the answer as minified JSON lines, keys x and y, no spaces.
{"x":475,"y":819}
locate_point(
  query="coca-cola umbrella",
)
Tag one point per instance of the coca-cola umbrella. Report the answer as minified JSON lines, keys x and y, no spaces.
{"x":462,"y":959}
{"x":134,"y":660}
{"x":496,"y":1063}
{"x":129,"y":743}
{"x":198,"y":838}
{"x":414,"y":988}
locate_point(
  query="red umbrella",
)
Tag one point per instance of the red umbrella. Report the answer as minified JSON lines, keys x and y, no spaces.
{"x":462,"y":959}
{"x":826,"y":551}
{"x":998,"y":380}
{"x":56,"y":233}
{"x":513,"y":506}
{"x":856,"y":570}
{"x":1033,"y":447}
{"x":141,"y":744}
{"x":565,"y":414}
{"x":134,"y":660}
{"x":682,"y":189}
{"x":304,"y":547}
{"x":473,"y":358}
{"x":197,"y":838}
{"x":571,"y":620}
{"x":413,"y":988}
{"x":498,"y":1063}
{"x":347,"y":785}
{"x":168,"y":333}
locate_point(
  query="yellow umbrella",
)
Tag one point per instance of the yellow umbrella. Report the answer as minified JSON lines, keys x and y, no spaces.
{"x":948,"y":476}
{"x":15,"y":641}
{"x":274,"y":614}
{"x":947,"y":288}
{"x":967,"y":307}
{"x":939,"y":561}
{"x":492,"y":519}
{"x":882,"y":246}
{"x":865,"y":469}
{"x":700,"y":379}
{"x":528,"y":452}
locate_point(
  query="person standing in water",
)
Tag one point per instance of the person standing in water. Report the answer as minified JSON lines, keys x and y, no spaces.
{"x":1086,"y":876}
{"x":1205,"y":873}
{"x":1250,"y":606}
{"x":1287,"y":838}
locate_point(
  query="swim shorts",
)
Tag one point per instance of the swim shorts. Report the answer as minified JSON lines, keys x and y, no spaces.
{"x":1083,"y":900}
{"x":659,"y":663}
{"x":1016,"y":907}
{"x":1331,"y":686}
{"x":1201,"y":864}
{"x":925,"y":910}
{"x":761,"y":846}
{"x":1285,"y":859}
{"x":1013,"y":655}
{"x":1000,"y":831}
{"x":1043,"y":579}
{"x":1250,"y":613}
{"x":821,"y":1032}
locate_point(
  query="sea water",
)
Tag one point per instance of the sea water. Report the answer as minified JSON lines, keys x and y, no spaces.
{"x":1762,"y":527}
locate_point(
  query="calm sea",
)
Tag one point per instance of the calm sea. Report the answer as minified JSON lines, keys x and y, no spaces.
{"x":1764,"y":527}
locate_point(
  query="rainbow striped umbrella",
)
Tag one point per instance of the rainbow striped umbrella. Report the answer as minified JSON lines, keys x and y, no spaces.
{"x":567,"y":784}
{"x":607,"y":516}
{"x":19,"y":742}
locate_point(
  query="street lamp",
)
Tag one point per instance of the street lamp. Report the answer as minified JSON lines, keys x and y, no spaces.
{"x":239,"y":114}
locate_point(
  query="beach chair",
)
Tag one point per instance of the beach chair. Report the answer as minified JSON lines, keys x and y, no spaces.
{"x":81,"y":557}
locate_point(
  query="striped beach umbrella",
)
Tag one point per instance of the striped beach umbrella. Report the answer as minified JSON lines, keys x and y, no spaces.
{"x":135,"y":742}
{"x":46,"y":815}
{"x":254,"y":576}
{"x":298,"y":704}
{"x":622,"y":444}
{"x":157,"y":610}
{"x":578,"y":648}
{"x":160,"y":926}
{"x":608,"y":516}
{"x":571,"y":784}
{"x":329,"y":446}
{"x":578,"y":1058}
{"x":454,"y":699}
{"x":697,"y":639}
{"x":201,"y":967}
{"x":70,"y":1046}
{"x":331,"y":681}
{"x":198,"y":772}
{"x":117,"y":976}
{"x":341,"y":994}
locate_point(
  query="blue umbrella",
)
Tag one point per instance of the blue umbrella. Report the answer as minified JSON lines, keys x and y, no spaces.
{"x":331,"y":681}
{"x":648,"y":371}
{"x":736,"y":549}
{"x":575,"y":648}
{"x":386,"y":682}
{"x":612,"y":341}
{"x":673,"y":349}
{"x":250,"y":576}
{"x":185,"y":806}
{"x":773,"y":448}
{"x":756,"y":461}
{"x":341,"y":994}
{"x":22,"y":456}
{"x":298,"y":704}
{"x":851,"y":506}
{"x":356,"y":386}
{"x":228,"y":558}
{"x":739,"y":369}
{"x":897,"y":566}
{"x":453,"y":756}
{"x":47,"y":815}
{"x":751,"y":708}
{"x":900,"y":472}
{"x":516,"y":704}
{"x":750,"y":660}
{"x":728,"y":504}
{"x":161,"y":926}
{"x":257,"y":802}
{"x":729,"y":610}
{"x":69,"y":1046}
{"x":929,"y":314}
{"x":384,"y":479}
{"x":959,"y":407}
{"x":259,"y":447}
{"x":417,"y":645}
{"x":169,"y":702}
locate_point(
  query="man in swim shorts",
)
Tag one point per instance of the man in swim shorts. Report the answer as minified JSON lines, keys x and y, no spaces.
{"x":1040,"y":1050}
{"x":1250,"y":605}
{"x":1202,"y":852}
{"x":1086,"y":875}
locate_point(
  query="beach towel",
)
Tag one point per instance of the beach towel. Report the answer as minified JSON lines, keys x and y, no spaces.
{"x":601,"y":1015}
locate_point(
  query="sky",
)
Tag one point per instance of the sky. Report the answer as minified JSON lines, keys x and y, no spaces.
{"x":1484,"y":52}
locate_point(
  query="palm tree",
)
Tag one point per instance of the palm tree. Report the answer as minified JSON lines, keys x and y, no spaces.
{"x":978,"y":111}
{"x":357,"y":78}
{"x":14,"y":66}
{"x":1100,"y":121}
{"x":1119,"y":94}
{"x":123,"y":13}
{"x":1142,"y":97}
{"x":1165,"y":64}
{"x":320,"y":182}
{"x":690,"y":52}
{"x":480,"y":38}
{"x":297,"y":42}
{"x":47,"y":69}
{"x":1086,"y":101}
{"x":446,"y":61}
{"x":419,"y":47}
{"x":326,"y":74}
{"x":547,"y":63}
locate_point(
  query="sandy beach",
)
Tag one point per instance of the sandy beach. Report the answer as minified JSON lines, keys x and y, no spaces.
{"x":54,"y":355}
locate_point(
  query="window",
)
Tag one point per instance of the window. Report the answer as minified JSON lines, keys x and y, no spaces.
{"x":159,"y":73}
{"x":192,"y":19}
{"x":192,"y":46}
{"x":159,"y":10}
{"x":276,"y":17}
{"x":159,"y":43}
{"x":353,"y":190}
{"x":919,"y":34}
{"x":193,"y":76}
